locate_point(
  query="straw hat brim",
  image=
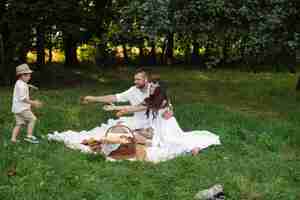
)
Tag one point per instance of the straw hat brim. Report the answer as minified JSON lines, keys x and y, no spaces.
{"x":25,"y":72}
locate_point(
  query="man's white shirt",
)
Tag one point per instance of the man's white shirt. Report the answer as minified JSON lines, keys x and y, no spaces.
{"x":21,"y":92}
{"x":136,"y":96}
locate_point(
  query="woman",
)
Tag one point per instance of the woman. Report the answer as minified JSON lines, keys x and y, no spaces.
{"x":168,"y":139}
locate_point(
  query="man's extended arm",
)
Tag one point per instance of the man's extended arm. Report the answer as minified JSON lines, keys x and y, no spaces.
{"x":103,"y":99}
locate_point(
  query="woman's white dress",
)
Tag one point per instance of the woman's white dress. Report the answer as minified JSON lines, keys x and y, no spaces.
{"x":168,"y":140}
{"x":73,"y":139}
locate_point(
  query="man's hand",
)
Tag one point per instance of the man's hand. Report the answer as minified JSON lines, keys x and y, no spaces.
{"x":109,"y":99}
{"x":86,"y":99}
{"x":168,"y":114}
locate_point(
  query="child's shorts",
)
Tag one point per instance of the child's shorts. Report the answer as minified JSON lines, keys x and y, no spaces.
{"x":25,"y":117}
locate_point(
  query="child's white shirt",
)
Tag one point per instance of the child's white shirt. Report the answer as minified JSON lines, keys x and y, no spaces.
{"x":21,"y":92}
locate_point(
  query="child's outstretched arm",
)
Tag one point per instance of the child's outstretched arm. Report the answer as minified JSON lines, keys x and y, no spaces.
{"x":33,"y":87}
{"x":34,"y":103}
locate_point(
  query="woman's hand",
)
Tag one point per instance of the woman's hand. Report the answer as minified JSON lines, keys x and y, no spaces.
{"x":109,"y":107}
{"x":168,"y":114}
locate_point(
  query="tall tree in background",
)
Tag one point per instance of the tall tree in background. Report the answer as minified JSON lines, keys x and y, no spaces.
{"x":103,"y":17}
{"x":16,"y":34}
{"x":2,"y":35}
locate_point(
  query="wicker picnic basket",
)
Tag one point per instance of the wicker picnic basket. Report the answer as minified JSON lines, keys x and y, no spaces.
{"x":129,"y":147}
{"x":123,"y":135}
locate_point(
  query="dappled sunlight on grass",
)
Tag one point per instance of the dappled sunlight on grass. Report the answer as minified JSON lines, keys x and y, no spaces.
{"x":102,"y":80}
{"x":202,"y":77}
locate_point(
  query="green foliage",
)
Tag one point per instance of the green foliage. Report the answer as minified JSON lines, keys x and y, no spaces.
{"x":87,"y":53}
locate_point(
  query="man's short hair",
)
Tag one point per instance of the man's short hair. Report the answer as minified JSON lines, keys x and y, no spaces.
{"x":142,"y":71}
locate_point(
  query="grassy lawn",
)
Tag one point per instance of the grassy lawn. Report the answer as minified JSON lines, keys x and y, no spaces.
{"x":257,"y":117}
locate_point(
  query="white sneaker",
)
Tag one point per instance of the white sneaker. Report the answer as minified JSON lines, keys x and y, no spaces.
{"x":31,"y":139}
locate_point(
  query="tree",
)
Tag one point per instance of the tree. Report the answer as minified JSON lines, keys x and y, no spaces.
{"x":158,"y":20}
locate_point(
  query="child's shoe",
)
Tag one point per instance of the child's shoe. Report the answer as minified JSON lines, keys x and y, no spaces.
{"x":32,"y":139}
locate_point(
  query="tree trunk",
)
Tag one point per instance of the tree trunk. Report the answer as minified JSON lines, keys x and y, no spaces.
{"x":1,"y":50}
{"x":50,"y":53}
{"x":298,"y":84}
{"x":7,"y":72}
{"x":162,"y":56}
{"x":187,"y":53}
{"x":242,"y":51}
{"x":292,"y":69}
{"x":2,"y":57}
{"x":50,"y":48}
{"x":102,"y":57}
{"x":1,"y":60}
{"x":169,"y":51}
{"x":208,"y":53}
{"x":102,"y":8}
{"x":22,"y":54}
{"x":40,"y":46}
{"x":7,"y":50}
{"x":141,"y":55}
{"x":225,"y":51}
{"x":70,"y":50}
{"x":195,"y":53}
{"x":152,"y":60}
{"x":125,"y":54}
{"x":291,"y":61}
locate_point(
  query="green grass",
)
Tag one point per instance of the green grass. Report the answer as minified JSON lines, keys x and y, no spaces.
{"x":256,"y":115}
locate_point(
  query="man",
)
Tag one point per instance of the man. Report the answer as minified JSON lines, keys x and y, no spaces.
{"x":135,"y":95}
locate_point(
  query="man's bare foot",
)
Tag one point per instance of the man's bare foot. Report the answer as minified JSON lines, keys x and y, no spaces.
{"x":195,"y":151}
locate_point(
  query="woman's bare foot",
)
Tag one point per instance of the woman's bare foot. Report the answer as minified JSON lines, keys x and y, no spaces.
{"x":195,"y":151}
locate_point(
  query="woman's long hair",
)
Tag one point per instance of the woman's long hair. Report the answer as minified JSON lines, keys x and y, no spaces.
{"x":157,"y":100}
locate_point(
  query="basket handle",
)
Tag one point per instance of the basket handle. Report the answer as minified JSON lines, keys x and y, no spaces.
{"x":121,"y":126}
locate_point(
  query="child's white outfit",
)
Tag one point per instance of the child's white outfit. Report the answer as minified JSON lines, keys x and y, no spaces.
{"x":21,"y":109}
